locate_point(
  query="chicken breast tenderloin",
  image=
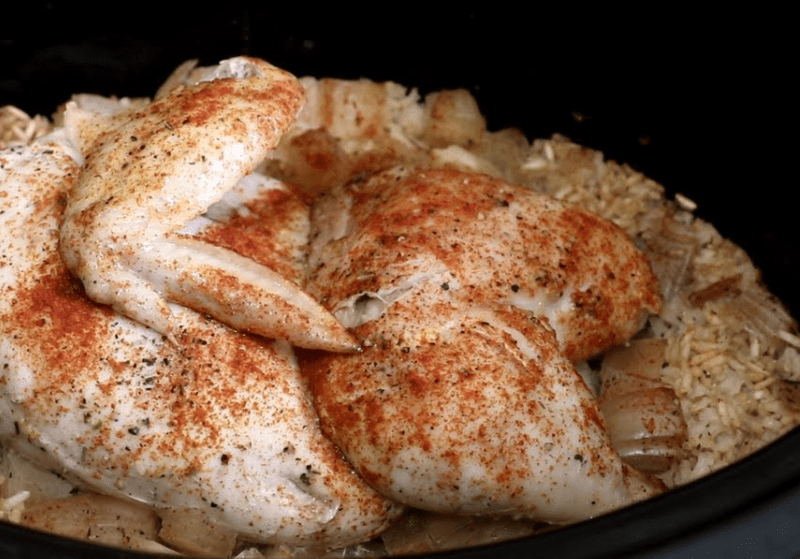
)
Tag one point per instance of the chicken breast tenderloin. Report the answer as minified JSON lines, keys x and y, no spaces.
{"x":472,"y":298}
{"x":219,"y":422}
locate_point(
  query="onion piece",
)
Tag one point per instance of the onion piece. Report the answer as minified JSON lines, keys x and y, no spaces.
{"x":189,"y":531}
{"x":423,"y":532}
{"x":95,"y":517}
{"x":642,"y":413}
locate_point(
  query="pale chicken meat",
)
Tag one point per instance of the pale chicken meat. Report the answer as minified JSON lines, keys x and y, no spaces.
{"x":153,"y":273}
{"x":501,"y":243}
{"x":148,"y":172}
{"x":472,"y":299}
{"x":219,"y":423}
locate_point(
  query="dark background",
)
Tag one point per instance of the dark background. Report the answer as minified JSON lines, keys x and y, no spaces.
{"x":701,"y":102}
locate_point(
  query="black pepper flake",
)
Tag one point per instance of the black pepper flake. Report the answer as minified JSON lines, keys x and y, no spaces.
{"x":578,"y":457}
{"x":224,"y":459}
{"x":514,"y":287}
{"x":133,"y":431}
{"x":445,"y":286}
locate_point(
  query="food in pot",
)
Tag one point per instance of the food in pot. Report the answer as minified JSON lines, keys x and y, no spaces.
{"x":203,"y":425}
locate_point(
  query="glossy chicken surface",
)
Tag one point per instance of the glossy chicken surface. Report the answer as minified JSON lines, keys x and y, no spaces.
{"x":151,"y":272}
{"x":150,"y":172}
{"x":472,"y":299}
{"x":218,"y":422}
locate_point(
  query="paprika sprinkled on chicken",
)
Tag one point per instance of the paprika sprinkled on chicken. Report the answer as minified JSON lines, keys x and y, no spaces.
{"x":215,"y":422}
{"x":475,"y":302}
{"x":154,"y":170}
{"x":472,"y":298}
{"x":220,"y":422}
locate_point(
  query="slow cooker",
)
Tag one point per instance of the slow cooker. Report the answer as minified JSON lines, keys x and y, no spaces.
{"x":694,"y":102}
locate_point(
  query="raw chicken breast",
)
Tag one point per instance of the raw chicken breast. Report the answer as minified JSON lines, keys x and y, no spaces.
{"x":471,"y":299}
{"x":219,"y":422}
{"x":149,"y":170}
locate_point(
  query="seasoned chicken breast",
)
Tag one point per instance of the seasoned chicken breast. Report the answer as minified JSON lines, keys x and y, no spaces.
{"x":219,"y":422}
{"x":150,"y":170}
{"x":472,"y":298}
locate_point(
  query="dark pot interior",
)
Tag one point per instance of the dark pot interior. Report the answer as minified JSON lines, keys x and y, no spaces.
{"x":700,"y":111}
